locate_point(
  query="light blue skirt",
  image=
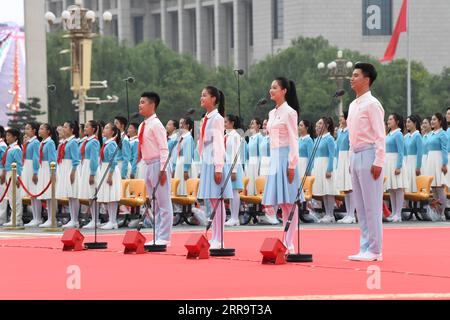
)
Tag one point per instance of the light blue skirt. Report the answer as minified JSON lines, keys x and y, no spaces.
{"x":208,"y":189}
{"x":238,"y":184}
{"x":278,"y":190}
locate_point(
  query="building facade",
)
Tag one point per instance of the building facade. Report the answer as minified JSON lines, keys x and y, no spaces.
{"x":242,"y":32}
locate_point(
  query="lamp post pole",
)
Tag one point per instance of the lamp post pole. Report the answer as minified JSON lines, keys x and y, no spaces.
{"x":338,"y":70}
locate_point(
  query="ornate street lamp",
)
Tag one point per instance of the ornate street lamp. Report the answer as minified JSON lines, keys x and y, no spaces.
{"x":78,"y":22}
{"x":338,"y":70}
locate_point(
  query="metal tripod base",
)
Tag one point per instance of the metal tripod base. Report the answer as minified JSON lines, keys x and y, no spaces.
{"x":155,"y":247}
{"x":96,"y":245}
{"x":222,"y":252}
{"x":299,"y":257}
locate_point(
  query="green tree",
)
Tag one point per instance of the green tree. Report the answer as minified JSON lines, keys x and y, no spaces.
{"x":28,"y":112}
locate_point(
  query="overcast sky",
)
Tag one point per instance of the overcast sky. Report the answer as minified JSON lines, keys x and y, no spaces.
{"x":12,"y":10}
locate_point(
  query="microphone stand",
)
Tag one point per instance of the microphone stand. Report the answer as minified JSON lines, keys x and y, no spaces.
{"x":159,"y":247}
{"x":223,"y":252}
{"x":304,"y":257}
{"x":93,"y":200}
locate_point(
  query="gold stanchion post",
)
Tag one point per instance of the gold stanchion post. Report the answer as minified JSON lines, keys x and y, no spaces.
{"x":54,"y":227}
{"x":13,"y":185}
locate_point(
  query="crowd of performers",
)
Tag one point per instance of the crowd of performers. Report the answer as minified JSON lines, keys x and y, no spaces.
{"x":278,"y":148}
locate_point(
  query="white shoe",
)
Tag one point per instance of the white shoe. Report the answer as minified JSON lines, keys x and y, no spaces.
{"x":290,"y":250}
{"x":200,"y":216}
{"x":356,"y":257}
{"x":396,"y":218}
{"x":33,"y":223}
{"x":91,"y":225}
{"x":9,"y":224}
{"x":232,"y":222}
{"x":133,"y":223}
{"x":347,"y":220}
{"x":123,"y":210}
{"x":71,"y":225}
{"x":443,"y":217}
{"x":369,"y":256}
{"x":265,"y":219}
{"x":214,"y":244}
{"x":109,"y":226}
{"x":327,"y":219}
{"x":46,"y":224}
{"x":162,"y":242}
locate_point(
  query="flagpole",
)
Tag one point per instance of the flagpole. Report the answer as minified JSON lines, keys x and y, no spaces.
{"x":408,"y":30}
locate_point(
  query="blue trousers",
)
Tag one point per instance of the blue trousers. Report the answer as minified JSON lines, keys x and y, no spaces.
{"x":368,"y":199}
{"x":163,"y":211}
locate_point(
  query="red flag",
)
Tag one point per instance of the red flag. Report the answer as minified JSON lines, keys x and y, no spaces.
{"x":399,"y":28}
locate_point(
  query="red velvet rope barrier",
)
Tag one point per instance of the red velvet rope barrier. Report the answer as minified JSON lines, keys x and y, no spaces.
{"x":33,"y":195}
{"x":6,"y":190}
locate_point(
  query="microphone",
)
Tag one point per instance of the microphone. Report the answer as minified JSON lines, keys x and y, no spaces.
{"x":239,"y":71}
{"x":129,"y":80}
{"x":339,"y":93}
{"x":262,"y":102}
{"x":135,"y":115}
{"x":189,"y":112}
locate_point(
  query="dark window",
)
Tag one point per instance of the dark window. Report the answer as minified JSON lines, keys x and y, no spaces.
{"x":250,"y":24}
{"x":277,"y":18}
{"x":138,"y":24}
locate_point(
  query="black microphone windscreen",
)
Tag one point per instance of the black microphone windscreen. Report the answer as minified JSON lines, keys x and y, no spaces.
{"x":339,"y":93}
{"x":190,"y":111}
{"x":262,"y":102}
{"x":135,"y":115}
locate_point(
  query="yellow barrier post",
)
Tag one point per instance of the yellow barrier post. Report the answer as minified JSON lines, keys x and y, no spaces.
{"x":54,"y":227}
{"x":13,"y":185}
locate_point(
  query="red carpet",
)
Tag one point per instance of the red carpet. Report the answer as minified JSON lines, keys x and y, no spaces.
{"x":416,"y":265}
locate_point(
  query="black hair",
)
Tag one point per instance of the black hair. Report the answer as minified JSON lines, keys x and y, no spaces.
{"x":152,"y":97}
{"x":345,"y":114}
{"x":220,"y":98}
{"x":448,"y":108}
{"x":441,"y":119}
{"x":97,"y":130}
{"x":258,"y":122}
{"x":116,"y":134}
{"x":328,"y":122}
{"x":235,"y":120}
{"x":188,"y":121}
{"x":75,"y":128}
{"x":309,"y":127}
{"x":15,"y":133}
{"x":368,"y":70}
{"x":416,"y":119}
{"x":135,"y":125}
{"x":52,"y":133}
{"x":2,"y":132}
{"x":399,"y":119}
{"x":291,"y":93}
{"x":35,"y":127}
{"x":176,"y":124}
{"x":123,"y":121}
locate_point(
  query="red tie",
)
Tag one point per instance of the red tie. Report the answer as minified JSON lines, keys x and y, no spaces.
{"x":4,"y":157}
{"x":202,"y":134}
{"x":179,"y":146}
{"x":41,"y":152}
{"x":61,"y":152}
{"x":83,"y":149}
{"x":24,"y":152}
{"x":102,"y":152}
{"x":141,"y":141}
